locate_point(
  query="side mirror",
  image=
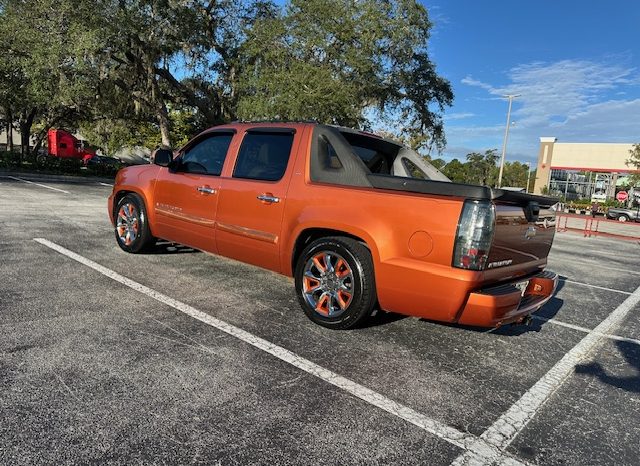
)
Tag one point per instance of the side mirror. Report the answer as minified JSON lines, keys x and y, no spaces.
{"x":163,"y":157}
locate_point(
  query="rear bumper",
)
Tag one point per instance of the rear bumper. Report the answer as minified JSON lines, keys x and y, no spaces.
{"x":503,"y":304}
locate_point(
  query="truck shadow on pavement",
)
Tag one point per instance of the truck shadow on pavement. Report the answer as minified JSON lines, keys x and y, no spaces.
{"x":630,"y":383}
{"x":165,"y":247}
{"x":382,"y":318}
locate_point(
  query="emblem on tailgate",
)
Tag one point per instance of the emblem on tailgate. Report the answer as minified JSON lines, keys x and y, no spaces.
{"x":530,"y":233}
{"x":493,"y":265}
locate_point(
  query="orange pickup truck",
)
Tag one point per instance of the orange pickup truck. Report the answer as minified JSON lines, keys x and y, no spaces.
{"x":359,"y":221}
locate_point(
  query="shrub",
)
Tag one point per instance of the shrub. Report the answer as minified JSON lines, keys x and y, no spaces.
{"x":70,"y":166}
{"x":8,"y":159}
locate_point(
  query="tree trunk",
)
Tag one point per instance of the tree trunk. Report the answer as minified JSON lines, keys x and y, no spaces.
{"x":10,"y":131}
{"x":163,"y":121}
{"x":26,"y":122}
{"x":161,"y":113}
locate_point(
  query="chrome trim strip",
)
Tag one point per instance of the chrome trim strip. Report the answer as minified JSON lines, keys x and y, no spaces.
{"x":248,"y":233}
{"x":187,"y":218}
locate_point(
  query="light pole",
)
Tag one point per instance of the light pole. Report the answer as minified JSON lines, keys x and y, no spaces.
{"x":506,"y":136}
{"x":528,"y":175}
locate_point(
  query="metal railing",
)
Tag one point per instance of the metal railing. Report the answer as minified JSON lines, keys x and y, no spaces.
{"x":597,"y":226}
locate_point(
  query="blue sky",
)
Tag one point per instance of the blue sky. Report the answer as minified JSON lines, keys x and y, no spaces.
{"x":576,"y":64}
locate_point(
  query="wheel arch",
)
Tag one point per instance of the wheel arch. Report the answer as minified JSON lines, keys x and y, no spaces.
{"x":310,"y":234}
{"x":118,"y":195}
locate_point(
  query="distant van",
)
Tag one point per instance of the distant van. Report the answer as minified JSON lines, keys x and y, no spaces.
{"x":598,"y":197}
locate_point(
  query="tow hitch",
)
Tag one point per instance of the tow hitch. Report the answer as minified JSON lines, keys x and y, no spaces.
{"x":526,"y":320}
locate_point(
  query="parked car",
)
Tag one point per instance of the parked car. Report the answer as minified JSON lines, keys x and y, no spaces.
{"x":103,"y":160}
{"x":623,"y":215}
{"x":103,"y":165}
{"x":359,"y":221}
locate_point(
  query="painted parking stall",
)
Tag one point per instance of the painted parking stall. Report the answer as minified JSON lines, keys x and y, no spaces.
{"x":224,"y":343}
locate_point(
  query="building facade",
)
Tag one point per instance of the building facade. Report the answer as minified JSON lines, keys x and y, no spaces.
{"x":582,"y":170}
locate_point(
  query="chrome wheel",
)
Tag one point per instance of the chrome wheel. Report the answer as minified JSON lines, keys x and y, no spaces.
{"x":328,"y":284}
{"x":128,"y":223}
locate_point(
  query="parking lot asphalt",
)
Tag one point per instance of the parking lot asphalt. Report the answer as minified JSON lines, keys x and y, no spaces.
{"x":102,"y":360}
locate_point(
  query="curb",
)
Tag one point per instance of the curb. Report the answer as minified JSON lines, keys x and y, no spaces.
{"x":37,"y":176}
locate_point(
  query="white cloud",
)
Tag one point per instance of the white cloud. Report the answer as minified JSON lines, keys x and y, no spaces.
{"x":609,"y":121}
{"x":458,"y":116}
{"x":574,"y":100}
{"x":474,"y":82}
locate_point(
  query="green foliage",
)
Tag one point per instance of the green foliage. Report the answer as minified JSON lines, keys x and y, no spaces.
{"x":515,"y":174}
{"x":111,"y":135}
{"x":47,"y":74}
{"x":71,"y":166}
{"x":634,"y":161}
{"x":456,"y":171}
{"x":331,"y":61}
{"x":438,"y":163}
{"x":585,"y":204}
{"x":481,"y":168}
{"x":148,"y":71}
{"x":7,"y":159}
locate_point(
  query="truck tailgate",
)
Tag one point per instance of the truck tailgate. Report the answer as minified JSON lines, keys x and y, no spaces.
{"x":518,"y":241}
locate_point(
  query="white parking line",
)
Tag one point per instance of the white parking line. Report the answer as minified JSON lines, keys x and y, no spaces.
{"x":595,"y":286}
{"x":475,"y":447}
{"x":38,"y":184}
{"x":586,"y":330}
{"x":511,"y":423}
{"x":105,"y":184}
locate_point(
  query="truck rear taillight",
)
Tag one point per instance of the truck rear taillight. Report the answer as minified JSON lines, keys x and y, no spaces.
{"x":474,"y":235}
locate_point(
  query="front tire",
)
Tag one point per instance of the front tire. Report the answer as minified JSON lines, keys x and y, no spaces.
{"x":622,"y":218}
{"x":335,"y":282}
{"x":132,"y":228}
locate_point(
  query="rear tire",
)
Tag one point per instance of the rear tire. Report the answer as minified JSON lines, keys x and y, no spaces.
{"x":335,"y":282}
{"x":131,"y":225}
{"x":622,"y":218}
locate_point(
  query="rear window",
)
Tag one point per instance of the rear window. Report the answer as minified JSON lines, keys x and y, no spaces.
{"x":263,"y":156}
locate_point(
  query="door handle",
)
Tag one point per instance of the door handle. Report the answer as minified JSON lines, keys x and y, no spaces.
{"x":268,"y":198}
{"x":206,"y":190}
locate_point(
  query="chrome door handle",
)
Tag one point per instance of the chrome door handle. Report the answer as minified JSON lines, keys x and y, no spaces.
{"x":268,"y":198}
{"x":206,"y":190}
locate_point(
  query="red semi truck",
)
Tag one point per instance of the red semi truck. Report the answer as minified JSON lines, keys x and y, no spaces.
{"x":65,"y":145}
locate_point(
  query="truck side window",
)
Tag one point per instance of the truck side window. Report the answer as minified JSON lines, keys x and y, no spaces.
{"x":263,"y":156}
{"x":207,"y":156}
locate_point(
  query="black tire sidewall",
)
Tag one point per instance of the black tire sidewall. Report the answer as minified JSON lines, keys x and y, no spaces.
{"x":142,"y":240}
{"x":360,"y":305}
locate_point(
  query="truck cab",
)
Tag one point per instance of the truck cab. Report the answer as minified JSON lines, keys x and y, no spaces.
{"x":64,"y":145}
